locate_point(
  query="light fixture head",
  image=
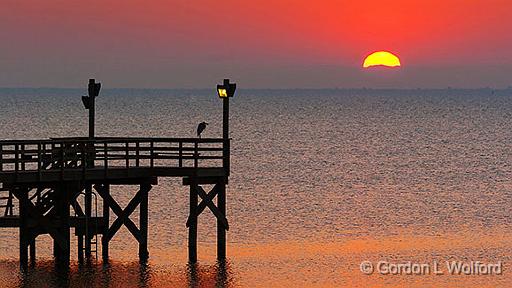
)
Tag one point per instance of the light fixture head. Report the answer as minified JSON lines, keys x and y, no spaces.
{"x":221,"y":91}
{"x":94,"y":88}
{"x":86,"y":100}
{"x":226,"y":89}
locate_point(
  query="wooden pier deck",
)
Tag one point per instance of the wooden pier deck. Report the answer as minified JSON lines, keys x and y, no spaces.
{"x":41,"y":181}
{"x":69,"y":159}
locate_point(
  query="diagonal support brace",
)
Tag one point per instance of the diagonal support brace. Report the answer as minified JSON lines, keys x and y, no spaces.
{"x":208,"y":202}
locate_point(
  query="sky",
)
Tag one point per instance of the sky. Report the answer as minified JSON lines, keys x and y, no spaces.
{"x":258,"y":44}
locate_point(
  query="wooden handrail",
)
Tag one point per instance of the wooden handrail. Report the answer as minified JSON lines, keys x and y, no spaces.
{"x":69,"y":153}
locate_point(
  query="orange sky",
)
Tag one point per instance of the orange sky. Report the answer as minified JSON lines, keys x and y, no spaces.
{"x":278,"y":43}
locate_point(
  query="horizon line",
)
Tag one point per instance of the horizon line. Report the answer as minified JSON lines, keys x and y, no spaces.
{"x":275,"y":88}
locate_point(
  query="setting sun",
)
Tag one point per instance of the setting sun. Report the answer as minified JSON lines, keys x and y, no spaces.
{"x":381,"y":58}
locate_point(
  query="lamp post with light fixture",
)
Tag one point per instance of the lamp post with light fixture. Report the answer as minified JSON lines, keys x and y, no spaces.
{"x":225,"y":91}
{"x":89,"y":104}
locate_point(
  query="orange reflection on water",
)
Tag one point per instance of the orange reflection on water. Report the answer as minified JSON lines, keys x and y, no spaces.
{"x":336,"y":264}
{"x":287,"y":263}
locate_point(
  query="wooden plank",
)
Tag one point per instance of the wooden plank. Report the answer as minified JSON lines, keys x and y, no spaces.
{"x":148,"y":149}
{"x":202,"y":180}
{"x":117,"y":140}
{"x":98,"y":173}
{"x":1,"y":158}
{"x":130,"y":181}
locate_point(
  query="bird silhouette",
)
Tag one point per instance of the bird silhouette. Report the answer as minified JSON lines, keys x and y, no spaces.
{"x":200,"y":128}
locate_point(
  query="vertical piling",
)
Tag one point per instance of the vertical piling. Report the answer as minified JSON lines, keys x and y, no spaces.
{"x":88,"y":214}
{"x":143,"y":219}
{"x":33,"y":251}
{"x":62,"y":247}
{"x":24,"y":232}
{"x":80,"y":250}
{"x":192,"y":229}
{"x":221,"y":229}
{"x":56,"y":250}
{"x":106,"y":224}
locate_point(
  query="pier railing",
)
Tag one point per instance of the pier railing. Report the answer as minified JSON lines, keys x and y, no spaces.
{"x":83,"y":153}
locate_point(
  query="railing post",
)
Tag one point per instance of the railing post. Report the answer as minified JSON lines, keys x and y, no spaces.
{"x":16,"y":158}
{"x":105,"y":157}
{"x":43,"y":155}
{"x":39,"y":160}
{"x":180,"y":155}
{"x":127,"y":154}
{"x":152,"y":155}
{"x":226,"y":156}
{"x":84,"y":158}
{"x":91,"y":144}
{"x":1,"y":157}
{"x":137,"y":153}
{"x":196,"y":154}
{"x":22,"y":157}
{"x":62,"y":155}
{"x":52,"y":151}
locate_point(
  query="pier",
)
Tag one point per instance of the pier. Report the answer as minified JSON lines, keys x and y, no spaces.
{"x":58,"y":185}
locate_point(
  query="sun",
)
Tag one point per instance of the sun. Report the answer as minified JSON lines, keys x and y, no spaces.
{"x":381,"y":58}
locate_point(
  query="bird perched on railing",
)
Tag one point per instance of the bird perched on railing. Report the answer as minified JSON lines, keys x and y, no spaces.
{"x":200,"y":128}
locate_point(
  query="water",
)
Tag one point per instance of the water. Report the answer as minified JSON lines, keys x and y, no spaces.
{"x":321,"y":181}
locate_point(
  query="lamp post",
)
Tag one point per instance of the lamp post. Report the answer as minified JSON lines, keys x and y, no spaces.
{"x":225,"y":91}
{"x":89,"y":104}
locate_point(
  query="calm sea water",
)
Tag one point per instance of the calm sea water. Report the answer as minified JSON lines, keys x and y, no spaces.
{"x":321,"y":181}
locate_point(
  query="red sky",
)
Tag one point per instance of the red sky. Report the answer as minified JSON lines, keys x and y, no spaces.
{"x":266,"y":43}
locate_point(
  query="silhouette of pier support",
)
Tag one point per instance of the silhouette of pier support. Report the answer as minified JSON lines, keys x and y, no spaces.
{"x":37,"y":218}
{"x":197,"y":192}
{"x":88,"y":215}
{"x":25,"y":237}
{"x":87,"y":224}
{"x":32,"y":251}
{"x":123,"y":216}
{"x":61,"y":238}
{"x":106,"y":219}
{"x":222,"y":223}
